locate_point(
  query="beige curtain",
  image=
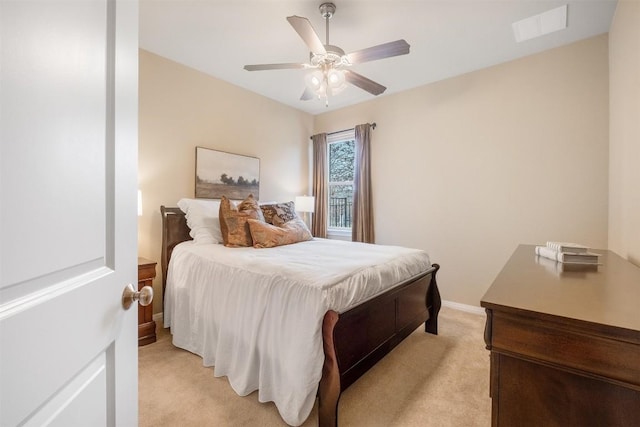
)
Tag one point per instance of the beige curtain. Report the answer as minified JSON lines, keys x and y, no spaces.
{"x":320,"y":170}
{"x":362,"y":222}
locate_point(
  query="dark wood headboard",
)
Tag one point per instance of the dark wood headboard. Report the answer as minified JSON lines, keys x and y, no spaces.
{"x":174,"y":230}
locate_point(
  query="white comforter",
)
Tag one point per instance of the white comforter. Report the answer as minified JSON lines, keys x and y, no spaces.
{"x":256,"y":314}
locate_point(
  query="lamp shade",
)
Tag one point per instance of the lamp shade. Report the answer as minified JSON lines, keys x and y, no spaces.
{"x":336,"y":81}
{"x":305,"y":203}
{"x":315,"y":81}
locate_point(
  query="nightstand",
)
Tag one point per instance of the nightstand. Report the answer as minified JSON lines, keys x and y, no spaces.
{"x":146,"y":324}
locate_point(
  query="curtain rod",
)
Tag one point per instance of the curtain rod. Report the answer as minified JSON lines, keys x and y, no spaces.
{"x":373,"y":126}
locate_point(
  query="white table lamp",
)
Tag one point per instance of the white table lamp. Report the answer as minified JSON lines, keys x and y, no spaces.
{"x":305,"y":204}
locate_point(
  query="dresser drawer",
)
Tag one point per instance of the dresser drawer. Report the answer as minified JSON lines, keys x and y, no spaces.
{"x":563,"y":345}
{"x":534,"y":395}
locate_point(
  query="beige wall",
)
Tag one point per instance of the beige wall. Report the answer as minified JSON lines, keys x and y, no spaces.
{"x":624,"y":133}
{"x":469,"y":167}
{"x":181,"y":108}
{"x":466,"y":168}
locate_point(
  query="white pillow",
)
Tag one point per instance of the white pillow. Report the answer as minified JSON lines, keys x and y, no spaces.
{"x":203,"y":218}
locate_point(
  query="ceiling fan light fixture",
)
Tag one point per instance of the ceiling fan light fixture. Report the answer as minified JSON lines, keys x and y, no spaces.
{"x":326,"y":83}
{"x":336,"y":80}
{"x":315,"y":81}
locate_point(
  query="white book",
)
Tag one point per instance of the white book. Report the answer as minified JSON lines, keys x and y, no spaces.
{"x":567,"y":257}
{"x":561,"y":268}
{"x":567,"y":247}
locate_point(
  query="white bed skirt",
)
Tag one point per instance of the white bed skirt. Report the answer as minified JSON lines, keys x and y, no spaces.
{"x":256,"y":314}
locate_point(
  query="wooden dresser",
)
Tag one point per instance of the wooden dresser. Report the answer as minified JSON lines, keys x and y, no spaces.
{"x":565,"y":343}
{"x":146,"y":324}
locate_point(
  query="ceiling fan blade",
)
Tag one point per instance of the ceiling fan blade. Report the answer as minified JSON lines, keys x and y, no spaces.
{"x":364,"y":83}
{"x":307,"y":95}
{"x":385,"y":50}
{"x":262,"y":67}
{"x":307,"y":33}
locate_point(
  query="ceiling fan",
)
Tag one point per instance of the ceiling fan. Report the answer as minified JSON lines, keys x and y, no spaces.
{"x":330,"y":63}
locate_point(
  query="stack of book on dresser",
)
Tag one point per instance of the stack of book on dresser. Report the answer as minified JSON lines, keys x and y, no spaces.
{"x":567,"y":253}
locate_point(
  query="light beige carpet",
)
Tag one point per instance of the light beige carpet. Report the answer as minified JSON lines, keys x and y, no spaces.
{"x":426,"y":381}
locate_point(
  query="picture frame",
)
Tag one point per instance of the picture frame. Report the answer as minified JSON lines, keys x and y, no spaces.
{"x":219,"y":173}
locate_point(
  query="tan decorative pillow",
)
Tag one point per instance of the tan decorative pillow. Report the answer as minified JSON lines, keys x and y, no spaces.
{"x":233,"y":221}
{"x":268,"y":236}
{"x":279,"y":213}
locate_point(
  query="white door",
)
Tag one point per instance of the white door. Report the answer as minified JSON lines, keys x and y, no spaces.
{"x":68,"y":158}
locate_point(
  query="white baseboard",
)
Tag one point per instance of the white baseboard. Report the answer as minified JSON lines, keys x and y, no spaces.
{"x":464,"y":307}
{"x":158,"y":318}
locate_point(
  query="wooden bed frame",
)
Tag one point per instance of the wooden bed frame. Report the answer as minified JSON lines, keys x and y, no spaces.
{"x":355,"y":340}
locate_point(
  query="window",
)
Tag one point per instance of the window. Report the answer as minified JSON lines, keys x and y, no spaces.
{"x":341,"y":160}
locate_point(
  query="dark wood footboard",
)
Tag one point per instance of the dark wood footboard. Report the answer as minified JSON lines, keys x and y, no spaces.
{"x":356,"y":339}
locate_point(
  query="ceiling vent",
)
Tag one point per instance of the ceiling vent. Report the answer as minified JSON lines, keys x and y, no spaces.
{"x":541,"y":24}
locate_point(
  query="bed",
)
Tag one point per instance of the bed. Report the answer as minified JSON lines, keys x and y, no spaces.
{"x":352,"y":340}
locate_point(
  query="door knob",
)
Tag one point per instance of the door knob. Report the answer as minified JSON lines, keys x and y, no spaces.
{"x":144,"y":296}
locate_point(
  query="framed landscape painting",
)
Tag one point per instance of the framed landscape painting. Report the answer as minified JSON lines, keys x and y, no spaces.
{"x":225,"y":174}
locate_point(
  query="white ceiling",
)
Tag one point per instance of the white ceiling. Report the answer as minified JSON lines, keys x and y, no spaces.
{"x":447,"y":38}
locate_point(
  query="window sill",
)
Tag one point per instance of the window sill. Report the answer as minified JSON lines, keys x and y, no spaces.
{"x":339,"y":234}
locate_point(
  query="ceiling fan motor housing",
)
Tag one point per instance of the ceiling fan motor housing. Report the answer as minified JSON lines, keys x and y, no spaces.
{"x":327,"y":10}
{"x":334,"y":57}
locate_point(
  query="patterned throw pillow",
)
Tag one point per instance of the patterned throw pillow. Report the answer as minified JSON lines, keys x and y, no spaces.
{"x":268,"y":236}
{"x":233,"y":221}
{"x":279,"y":213}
